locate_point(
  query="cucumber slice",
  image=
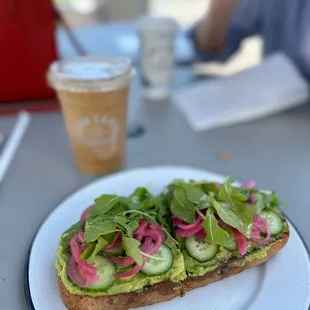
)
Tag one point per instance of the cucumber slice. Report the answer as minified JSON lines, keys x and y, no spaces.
{"x":154,"y":267}
{"x":200,"y":250}
{"x":274,"y":221}
{"x":105,"y":270}
{"x":116,"y":251}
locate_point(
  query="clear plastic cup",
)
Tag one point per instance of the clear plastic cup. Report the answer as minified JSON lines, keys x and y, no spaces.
{"x":93,"y":94}
{"x":157,"y":54}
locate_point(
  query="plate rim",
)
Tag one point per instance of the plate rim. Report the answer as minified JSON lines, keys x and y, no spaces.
{"x":27,"y":291}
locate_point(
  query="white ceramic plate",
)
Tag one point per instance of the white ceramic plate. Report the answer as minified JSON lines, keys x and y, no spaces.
{"x":282,"y":283}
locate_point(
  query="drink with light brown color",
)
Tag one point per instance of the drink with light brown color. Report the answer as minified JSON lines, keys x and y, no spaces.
{"x":93,"y":93}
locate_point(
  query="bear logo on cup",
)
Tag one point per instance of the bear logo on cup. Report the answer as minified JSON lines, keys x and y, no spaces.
{"x":99,"y":133}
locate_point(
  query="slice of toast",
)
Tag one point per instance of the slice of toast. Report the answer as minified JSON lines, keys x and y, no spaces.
{"x":167,"y":290}
{"x":231,"y":268}
{"x":151,"y":295}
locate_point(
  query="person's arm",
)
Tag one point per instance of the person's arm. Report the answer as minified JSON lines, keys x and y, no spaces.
{"x":305,"y":41}
{"x":212,"y":30}
{"x":218,"y":35}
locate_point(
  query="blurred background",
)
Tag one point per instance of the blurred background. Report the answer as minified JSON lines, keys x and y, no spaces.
{"x":80,"y":13}
{"x":246,"y":115}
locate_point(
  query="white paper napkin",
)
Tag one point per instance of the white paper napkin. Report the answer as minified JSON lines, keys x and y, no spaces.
{"x":272,"y":86}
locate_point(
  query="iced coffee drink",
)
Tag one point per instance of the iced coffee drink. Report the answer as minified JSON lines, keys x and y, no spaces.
{"x":93,"y":94}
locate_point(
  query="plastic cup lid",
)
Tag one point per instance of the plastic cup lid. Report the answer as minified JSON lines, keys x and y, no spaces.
{"x":160,"y":22}
{"x":89,"y":73}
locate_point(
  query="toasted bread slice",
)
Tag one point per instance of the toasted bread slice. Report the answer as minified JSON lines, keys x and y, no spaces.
{"x":151,"y":295}
{"x":167,"y":290}
{"x":230,"y":268}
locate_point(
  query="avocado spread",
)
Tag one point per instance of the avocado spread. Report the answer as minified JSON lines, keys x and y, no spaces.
{"x":138,"y":282}
{"x":195,"y":268}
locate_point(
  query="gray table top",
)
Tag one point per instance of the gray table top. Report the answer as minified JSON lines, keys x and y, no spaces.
{"x":274,"y":151}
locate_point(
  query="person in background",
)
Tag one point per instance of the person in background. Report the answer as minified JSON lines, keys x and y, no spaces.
{"x":283,"y":24}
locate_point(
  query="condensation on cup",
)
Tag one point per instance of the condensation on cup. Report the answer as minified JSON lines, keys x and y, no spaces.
{"x":157,"y":55}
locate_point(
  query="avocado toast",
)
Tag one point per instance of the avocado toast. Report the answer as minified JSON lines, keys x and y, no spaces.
{"x":128,"y":252}
{"x":222,"y":229}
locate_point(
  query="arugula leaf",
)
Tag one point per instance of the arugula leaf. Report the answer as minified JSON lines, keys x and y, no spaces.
{"x":129,"y":224}
{"x":181,"y":206}
{"x":140,"y":213}
{"x":94,"y":248}
{"x":75,"y":227}
{"x":247,"y":191}
{"x":244,"y":211}
{"x":149,"y":203}
{"x":103,"y":205}
{"x":215,"y":234}
{"x":132,"y":249}
{"x":203,"y":203}
{"x":268,"y":201}
{"x":109,"y":238}
{"x":194,"y":193}
{"x":95,"y":227}
{"x":113,"y":213}
{"x":155,"y":206}
{"x":88,"y":251}
{"x":101,"y":243}
{"x":140,"y":198}
{"x":229,"y":193}
{"x":209,"y":187}
{"x":274,"y":202}
{"x":163,"y":215}
{"x":259,"y":203}
{"x":136,"y":197}
{"x":176,"y":182}
{"x":234,"y":218}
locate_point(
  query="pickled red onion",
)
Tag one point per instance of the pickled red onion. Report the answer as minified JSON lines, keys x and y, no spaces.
{"x":128,"y":261}
{"x":158,"y":228}
{"x":176,"y":220}
{"x":153,"y":236}
{"x":75,"y":275}
{"x":138,"y":233}
{"x":76,"y":254}
{"x":85,"y":212}
{"x":142,"y":226}
{"x":83,"y":248}
{"x":122,"y":261}
{"x":146,"y":245}
{"x":130,"y":272}
{"x":260,"y":225}
{"x":180,"y":233}
{"x":158,"y":239}
{"x":81,"y":236}
{"x":249,"y":184}
{"x":241,"y":242}
{"x":138,"y":236}
{"x":201,"y":233}
{"x":146,"y":249}
{"x":89,"y":277}
{"x":222,"y":224}
{"x":182,"y":225}
{"x":251,"y":199}
{"x":116,"y":243}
